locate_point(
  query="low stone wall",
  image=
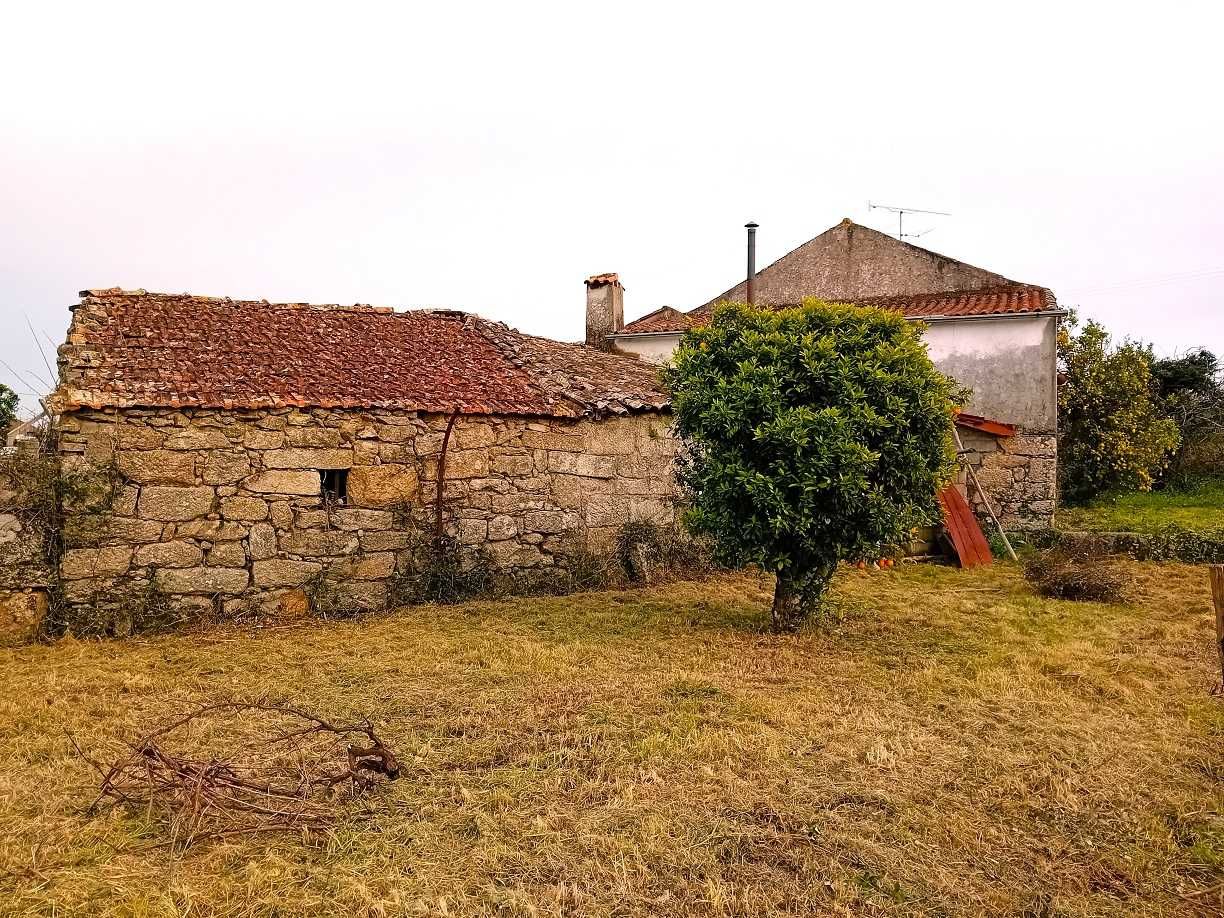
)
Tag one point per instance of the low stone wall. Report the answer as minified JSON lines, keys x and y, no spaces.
{"x":214,"y":510}
{"x":1019,"y":473}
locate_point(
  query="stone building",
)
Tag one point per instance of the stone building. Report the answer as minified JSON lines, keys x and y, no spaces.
{"x":250,"y":450}
{"x":992,"y":334}
{"x":247,"y":453}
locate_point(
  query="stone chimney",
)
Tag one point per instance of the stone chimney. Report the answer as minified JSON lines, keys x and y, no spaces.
{"x":605,"y":314}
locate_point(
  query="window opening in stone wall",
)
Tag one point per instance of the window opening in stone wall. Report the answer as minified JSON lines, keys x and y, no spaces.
{"x":335,"y":485}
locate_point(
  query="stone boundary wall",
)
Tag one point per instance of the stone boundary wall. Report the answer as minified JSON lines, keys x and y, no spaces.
{"x":1019,"y":473}
{"x":25,"y":574}
{"x":214,"y":509}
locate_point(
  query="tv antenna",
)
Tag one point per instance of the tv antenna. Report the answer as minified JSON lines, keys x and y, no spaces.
{"x":901,"y":212}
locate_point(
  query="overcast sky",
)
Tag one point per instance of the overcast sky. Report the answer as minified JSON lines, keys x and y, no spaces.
{"x":490,"y":157}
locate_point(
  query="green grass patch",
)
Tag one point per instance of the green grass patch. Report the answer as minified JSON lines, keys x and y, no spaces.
{"x":1199,"y":505}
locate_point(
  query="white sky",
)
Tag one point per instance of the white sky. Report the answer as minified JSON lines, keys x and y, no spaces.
{"x":491,"y":157}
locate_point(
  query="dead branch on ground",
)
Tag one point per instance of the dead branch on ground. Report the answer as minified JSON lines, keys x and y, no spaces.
{"x":285,"y":769}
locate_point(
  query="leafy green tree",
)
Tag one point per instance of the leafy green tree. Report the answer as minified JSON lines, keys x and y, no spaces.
{"x":815,"y":435}
{"x":1191,"y":392}
{"x":1196,"y":372}
{"x":1113,"y":436}
{"x":8,"y":407}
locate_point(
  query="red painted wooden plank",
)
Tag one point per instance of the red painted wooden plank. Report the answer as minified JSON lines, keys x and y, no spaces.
{"x":968,"y":540}
{"x":956,"y":532}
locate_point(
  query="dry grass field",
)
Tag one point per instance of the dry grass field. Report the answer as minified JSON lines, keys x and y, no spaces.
{"x":951,"y":745}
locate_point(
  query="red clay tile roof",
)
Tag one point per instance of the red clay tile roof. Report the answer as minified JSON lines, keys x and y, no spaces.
{"x":133,"y":348}
{"x":1006,"y":299}
{"x":663,"y":319}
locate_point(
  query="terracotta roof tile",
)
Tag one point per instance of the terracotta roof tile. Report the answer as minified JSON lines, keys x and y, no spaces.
{"x":1006,"y":299}
{"x":664,"y":319}
{"x":133,"y":348}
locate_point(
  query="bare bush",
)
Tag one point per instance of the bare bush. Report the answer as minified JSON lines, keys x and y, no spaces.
{"x":1083,"y":572}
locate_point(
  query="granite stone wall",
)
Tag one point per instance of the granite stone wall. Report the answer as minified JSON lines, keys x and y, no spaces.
{"x":1019,"y":473}
{"x":214,"y":509}
{"x":25,"y":573}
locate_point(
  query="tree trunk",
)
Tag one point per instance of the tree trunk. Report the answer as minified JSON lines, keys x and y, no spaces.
{"x":795,"y":598}
{"x":788,"y":609}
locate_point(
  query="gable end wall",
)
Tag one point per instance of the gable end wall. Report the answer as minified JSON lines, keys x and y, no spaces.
{"x":852,"y":262}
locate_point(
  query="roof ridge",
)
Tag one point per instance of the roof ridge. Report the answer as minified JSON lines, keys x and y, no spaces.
{"x":642,"y":324}
{"x":107,"y":293}
{"x":657,"y":310}
{"x":944,"y":294}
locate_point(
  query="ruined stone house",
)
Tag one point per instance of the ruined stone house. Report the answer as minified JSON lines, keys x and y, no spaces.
{"x":994,"y":335}
{"x":257,"y":448}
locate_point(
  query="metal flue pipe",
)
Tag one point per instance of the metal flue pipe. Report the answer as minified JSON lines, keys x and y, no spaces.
{"x":752,"y":228}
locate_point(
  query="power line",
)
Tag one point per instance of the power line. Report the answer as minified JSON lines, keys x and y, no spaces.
{"x":1152,"y":281}
{"x":1157,"y":279}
